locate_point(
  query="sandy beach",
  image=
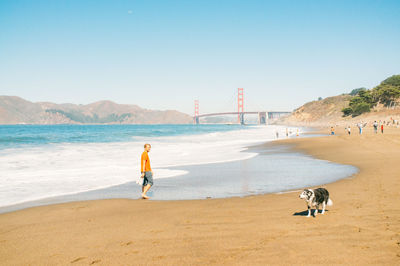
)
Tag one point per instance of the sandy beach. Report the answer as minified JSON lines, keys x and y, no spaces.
{"x":362,"y":227}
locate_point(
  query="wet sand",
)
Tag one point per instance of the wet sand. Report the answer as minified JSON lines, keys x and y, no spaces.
{"x":362,"y":227}
{"x":275,"y":168}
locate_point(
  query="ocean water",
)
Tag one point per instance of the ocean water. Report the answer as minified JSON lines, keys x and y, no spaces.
{"x":47,"y":161}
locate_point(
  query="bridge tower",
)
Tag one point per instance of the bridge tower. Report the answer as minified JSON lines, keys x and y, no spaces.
{"x":196,"y":119}
{"x":262,"y":118}
{"x":240,"y":106}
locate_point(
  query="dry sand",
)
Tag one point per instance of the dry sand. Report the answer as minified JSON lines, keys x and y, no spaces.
{"x":362,"y":227}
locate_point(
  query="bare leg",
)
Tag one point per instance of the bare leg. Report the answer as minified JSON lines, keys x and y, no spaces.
{"x":323,"y":207}
{"x":145,"y":189}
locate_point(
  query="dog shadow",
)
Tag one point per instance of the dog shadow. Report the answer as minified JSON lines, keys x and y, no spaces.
{"x":305,"y":213}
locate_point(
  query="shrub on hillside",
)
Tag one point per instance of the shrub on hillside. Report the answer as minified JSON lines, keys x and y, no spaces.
{"x":347,"y":111}
{"x":363,"y":100}
{"x":393,"y":80}
{"x":360,"y":108}
{"x":355,"y":91}
{"x":386,"y":94}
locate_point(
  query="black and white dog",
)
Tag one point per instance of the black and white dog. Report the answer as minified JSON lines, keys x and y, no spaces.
{"x":315,"y":197}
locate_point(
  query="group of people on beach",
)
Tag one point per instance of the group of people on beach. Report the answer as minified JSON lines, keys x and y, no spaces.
{"x":288,"y":132}
{"x":376,"y":125}
{"x":147,"y":173}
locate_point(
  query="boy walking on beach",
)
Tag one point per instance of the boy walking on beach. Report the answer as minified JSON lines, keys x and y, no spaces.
{"x":147,"y":173}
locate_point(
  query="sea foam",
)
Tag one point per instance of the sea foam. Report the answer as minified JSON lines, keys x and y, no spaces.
{"x":36,"y":172}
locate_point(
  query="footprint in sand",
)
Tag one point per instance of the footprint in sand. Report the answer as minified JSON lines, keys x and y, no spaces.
{"x":78,"y":259}
{"x":127,"y":243}
{"x":78,"y":208}
{"x":132,"y":252}
{"x":95,"y":261}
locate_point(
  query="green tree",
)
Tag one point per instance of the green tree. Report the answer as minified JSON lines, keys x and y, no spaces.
{"x":393,"y":80}
{"x":355,"y":91}
{"x":363,"y":100}
{"x":387,"y":94}
{"x":347,"y":111}
{"x":360,"y":108}
{"x":388,"y":91}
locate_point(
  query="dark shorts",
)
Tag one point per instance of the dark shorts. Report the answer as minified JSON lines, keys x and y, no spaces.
{"x":148,"y":178}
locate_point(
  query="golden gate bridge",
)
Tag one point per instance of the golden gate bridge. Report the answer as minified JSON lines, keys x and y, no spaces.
{"x":263,"y":116}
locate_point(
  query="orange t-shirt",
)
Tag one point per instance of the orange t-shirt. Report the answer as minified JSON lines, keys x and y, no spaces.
{"x":145,"y":157}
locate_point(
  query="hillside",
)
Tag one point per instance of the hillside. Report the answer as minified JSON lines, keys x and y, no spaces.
{"x":379,"y":103}
{"x":326,"y":111}
{"x":15,"y":110}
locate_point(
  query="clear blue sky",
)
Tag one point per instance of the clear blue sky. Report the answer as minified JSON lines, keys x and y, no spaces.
{"x":165,"y":54}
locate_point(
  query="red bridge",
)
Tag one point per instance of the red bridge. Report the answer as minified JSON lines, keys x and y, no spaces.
{"x":263,"y":116}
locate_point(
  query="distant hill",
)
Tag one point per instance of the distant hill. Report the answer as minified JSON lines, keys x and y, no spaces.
{"x":324,"y":111}
{"x":15,"y":110}
{"x":379,"y":103}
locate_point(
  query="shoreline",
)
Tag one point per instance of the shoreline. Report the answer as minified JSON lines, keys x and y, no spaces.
{"x":362,"y":227}
{"x":195,"y":174}
{"x":59,"y":170}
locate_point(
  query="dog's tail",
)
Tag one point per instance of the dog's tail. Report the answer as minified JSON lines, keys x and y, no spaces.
{"x":329,"y":203}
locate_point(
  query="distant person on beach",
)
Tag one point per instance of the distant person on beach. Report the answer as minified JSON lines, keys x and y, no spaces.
{"x":376,"y":127}
{"x":147,"y":173}
{"x":332,"y":131}
{"x":382,"y":128}
{"x":277,"y":134}
{"x":287,"y":133}
{"x":348,"y":130}
{"x":360,"y":128}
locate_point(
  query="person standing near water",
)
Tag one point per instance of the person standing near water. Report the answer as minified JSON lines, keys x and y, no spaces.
{"x":147,"y":173}
{"x":382,"y":128}
{"x":332,"y":131}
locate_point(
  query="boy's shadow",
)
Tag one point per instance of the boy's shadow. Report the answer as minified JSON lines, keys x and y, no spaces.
{"x":305,"y":213}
